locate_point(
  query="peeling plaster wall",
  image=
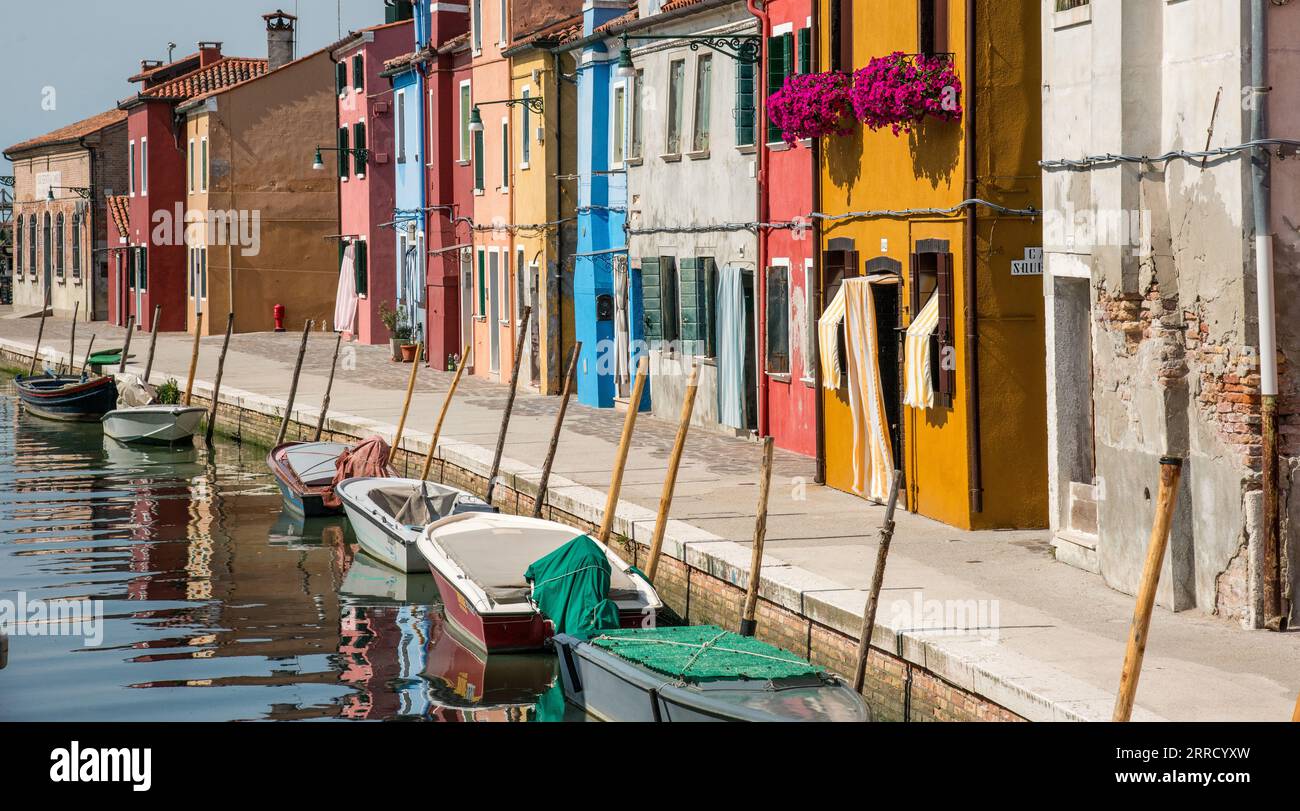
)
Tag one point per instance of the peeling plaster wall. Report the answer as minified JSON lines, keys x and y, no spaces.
{"x":1167,"y":250}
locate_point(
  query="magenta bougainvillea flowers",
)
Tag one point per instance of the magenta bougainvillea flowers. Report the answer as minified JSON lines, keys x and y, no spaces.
{"x":899,"y":90}
{"x":812,"y":105}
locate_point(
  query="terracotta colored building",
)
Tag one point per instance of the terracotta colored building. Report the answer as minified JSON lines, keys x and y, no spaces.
{"x":366,"y":193}
{"x":147,"y":253}
{"x":263,"y":221}
{"x":61,"y":183}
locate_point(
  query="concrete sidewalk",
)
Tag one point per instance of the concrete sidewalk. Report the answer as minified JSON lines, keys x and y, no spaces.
{"x":1056,"y":638}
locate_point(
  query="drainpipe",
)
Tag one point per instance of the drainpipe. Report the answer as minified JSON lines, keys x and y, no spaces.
{"x":1274,"y":616}
{"x":90,"y":279}
{"x":819,"y":403}
{"x":760,"y":140}
{"x":971,"y":310}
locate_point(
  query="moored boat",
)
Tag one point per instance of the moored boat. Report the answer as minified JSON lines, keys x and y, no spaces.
{"x":479,"y":559}
{"x":467,"y":684}
{"x":305,"y":473}
{"x":67,"y":397}
{"x":154,"y":424}
{"x":698,"y":673}
{"x":388,"y":515}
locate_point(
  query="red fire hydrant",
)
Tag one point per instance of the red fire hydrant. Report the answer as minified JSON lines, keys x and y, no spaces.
{"x":278,"y":310}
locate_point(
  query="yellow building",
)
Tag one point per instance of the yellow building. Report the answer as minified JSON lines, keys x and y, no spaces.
{"x":972,"y":462}
{"x":543,"y":201}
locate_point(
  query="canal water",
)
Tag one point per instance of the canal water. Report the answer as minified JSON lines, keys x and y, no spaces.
{"x":215,"y":604}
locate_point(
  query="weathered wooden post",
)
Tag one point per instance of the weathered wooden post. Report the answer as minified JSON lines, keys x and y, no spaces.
{"x":545,"y":482}
{"x":748,"y":622}
{"x":194,"y":357}
{"x":442,"y":415}
{"x":406,"y":404}
{"x":293,"y":385}
{"x":329,"y":387}
{"x":126,"y":347}
{"x":216,"y":384}
{"x":877,"y":581}
{"x":36,"y":352}
{"x":670,"y":482}
{"x":624,"y":445}
{"x":89,"y":348}
{"x":153,"y":341}
{"x":72,"y":339}
{"x":1171,"y":469}
{"x":510,"y":406}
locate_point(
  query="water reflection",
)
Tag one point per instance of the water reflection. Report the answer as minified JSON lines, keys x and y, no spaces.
{"x":218,"y":605}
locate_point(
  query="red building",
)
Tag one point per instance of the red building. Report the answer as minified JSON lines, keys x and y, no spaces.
{"x":788,"y":402}
{"x":146,"y":245}
{"x":366,"y":188}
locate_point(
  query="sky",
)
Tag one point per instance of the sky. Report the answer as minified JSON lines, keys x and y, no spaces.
{"x":79,"y":53}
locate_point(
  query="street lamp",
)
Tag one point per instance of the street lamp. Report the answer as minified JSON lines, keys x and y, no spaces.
{"x":475,"y":120}
{"x":80,"y":191}
{"x":533,"y":103}
{"x":744,"y":48}
{"x":318,"y":164}
{"x":362,"y":154}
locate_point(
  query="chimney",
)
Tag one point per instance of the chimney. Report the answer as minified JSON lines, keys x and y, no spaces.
{"x":209,"y":53}
{"x":279,"y":38}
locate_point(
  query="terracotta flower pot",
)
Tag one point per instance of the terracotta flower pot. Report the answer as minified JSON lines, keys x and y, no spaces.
{"x":408,"y":352}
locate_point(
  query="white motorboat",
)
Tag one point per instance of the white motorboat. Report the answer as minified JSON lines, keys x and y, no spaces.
{"x":388,"y":515}
{"x":157,"y":424}
{"x":140,"y":418}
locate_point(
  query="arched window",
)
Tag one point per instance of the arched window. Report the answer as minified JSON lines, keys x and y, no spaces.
{"x":31,"y":245}
{"x":76,"y":245}
{"x":47,"y":246}
{"x":59,"y":245}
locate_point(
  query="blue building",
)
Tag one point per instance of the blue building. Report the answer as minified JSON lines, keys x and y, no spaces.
{"x":606,"y":293}
{"x":409,"y":179}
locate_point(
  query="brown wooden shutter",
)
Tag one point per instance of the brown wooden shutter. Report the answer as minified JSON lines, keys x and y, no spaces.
{"x":946,"y":383}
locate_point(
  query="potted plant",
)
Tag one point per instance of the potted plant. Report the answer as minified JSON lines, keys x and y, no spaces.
{"x":812,"y":105}
{"x":403,"y":333}
{"x":899,"y":90}
{"x":389,"y":317}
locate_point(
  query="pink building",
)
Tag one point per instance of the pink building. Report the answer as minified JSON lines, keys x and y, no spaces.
{"x":366,"y":187}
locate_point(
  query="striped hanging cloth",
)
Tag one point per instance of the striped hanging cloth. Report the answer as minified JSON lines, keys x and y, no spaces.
{"x":873,"y":455}
{"x":828,"y":340}
{"x":919,"y":390}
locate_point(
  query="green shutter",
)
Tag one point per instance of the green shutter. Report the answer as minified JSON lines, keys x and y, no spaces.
{"x":142,"y":268}
{"x":482,"y":283}
{"x":343,"y":151}
{"x":709,"y":283}
{"x":341,"y":77}
{"x":478,"y":160}
{"x":359,"y":142}
{"x":358,"y":73}
{"x":363,"y":270}
{"x":775,"y":79}
{"x":805,"y":50}
{"x":652,"y":300}
{"x":691,"y":306}
{"x":744,"y":104}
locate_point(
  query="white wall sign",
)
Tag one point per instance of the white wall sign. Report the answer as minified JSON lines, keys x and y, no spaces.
{"x":1031,"y":265}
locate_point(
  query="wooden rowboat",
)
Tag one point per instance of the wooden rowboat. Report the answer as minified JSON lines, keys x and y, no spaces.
{"x":67,"y":397}
{"x":389,"y":514}
{"x":305,"y":473}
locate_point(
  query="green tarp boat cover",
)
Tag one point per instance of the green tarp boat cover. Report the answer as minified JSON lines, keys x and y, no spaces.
{"x":571,"y":588}
{"x":701,"y":653}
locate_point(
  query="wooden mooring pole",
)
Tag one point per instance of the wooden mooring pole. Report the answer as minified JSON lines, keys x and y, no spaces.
{"x":153,"y":341}
{"x":329,"y":387}
{"x":748,"y":618}
{"x":36,"y":352}
{"x":442,"y":415}
{"x":293,"y":384}
{"x":540,"y":501}
{"x":72,"y":339}
{"x":126,"y":347}
{"x":877,"y":581}
{"x":510,"y":406}
{"x":194,"y":357}
{"x":1170,"y":472}
{"x":624,"y":445}
{"x":406,"y":404}
{"x":89,"y":348}
{"x":670,"y":482}
{"x":216,"y":384}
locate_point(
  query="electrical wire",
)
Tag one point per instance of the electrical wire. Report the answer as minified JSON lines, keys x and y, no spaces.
{"x":1090,"y":161}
